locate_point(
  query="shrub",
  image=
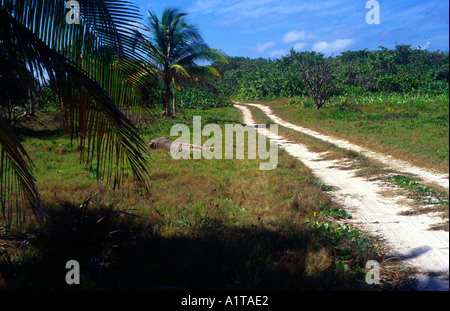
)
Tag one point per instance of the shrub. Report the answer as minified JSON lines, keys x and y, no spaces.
{"x":201,"y":98}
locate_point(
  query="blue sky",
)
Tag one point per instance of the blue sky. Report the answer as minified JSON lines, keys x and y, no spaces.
{"x":270,"y":28}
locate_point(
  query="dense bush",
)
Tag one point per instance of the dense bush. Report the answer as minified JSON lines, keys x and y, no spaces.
{"x":399,"y":70}
{"x":245,"y":78}
{"x":201,"y":97}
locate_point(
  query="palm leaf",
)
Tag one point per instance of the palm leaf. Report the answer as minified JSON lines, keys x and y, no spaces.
{"x":17,"y":184}
{"x":82,"y":64}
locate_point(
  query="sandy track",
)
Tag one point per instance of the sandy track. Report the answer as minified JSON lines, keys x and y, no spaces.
{"x":407,"y":237}
{"x":398,"y":165}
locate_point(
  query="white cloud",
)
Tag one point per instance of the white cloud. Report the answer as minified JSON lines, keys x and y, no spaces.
{"x":293,"y":35}
{"x":332,"y":47}
{"x":278,"y":53}
{"x":299,"y":46}
{"x":320,"y":46}
{"x":264,"y":46}
{"x":258,"y":8}
{"x":426,"y":46}
{"x":423,"y":47}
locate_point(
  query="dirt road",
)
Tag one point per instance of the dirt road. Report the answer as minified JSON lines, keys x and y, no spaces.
{"x":423,"y":174}
{"x":407,"y":237}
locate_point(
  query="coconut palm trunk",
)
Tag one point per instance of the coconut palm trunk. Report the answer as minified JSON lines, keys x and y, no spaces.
{"x":174,"y":102}
{"x":167,"y":97}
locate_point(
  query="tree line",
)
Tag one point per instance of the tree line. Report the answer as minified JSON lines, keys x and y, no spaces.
{"x":401,"y":69}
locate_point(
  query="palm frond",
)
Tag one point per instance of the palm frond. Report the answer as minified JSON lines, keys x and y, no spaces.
{"x":81,"y":62}
{"x":204,"y":73}
{"x":179,"y":70}
{"x":17,"y":185}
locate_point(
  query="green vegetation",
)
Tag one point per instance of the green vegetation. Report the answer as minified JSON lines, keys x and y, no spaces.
{"x":197,"y":97}
{"x":426,"y":198}
{"x":399,"y":70}
{"x":335,"y":212}
{"x":421,"y":193}
{"x":221,"y":224}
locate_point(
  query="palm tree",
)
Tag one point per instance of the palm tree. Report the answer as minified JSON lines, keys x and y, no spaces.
{"x":86,"y":65}
{"x":174,"y":49}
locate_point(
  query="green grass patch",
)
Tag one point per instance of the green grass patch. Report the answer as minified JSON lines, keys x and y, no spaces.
{"x":419,"y":192}
{"x":334,"y":212}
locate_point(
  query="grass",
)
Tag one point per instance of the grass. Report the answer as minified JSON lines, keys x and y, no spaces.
{"x":414,"y":128}
{"x":421,"y":192}
{"x":428,"y":199}
{"x":206,"y":224}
